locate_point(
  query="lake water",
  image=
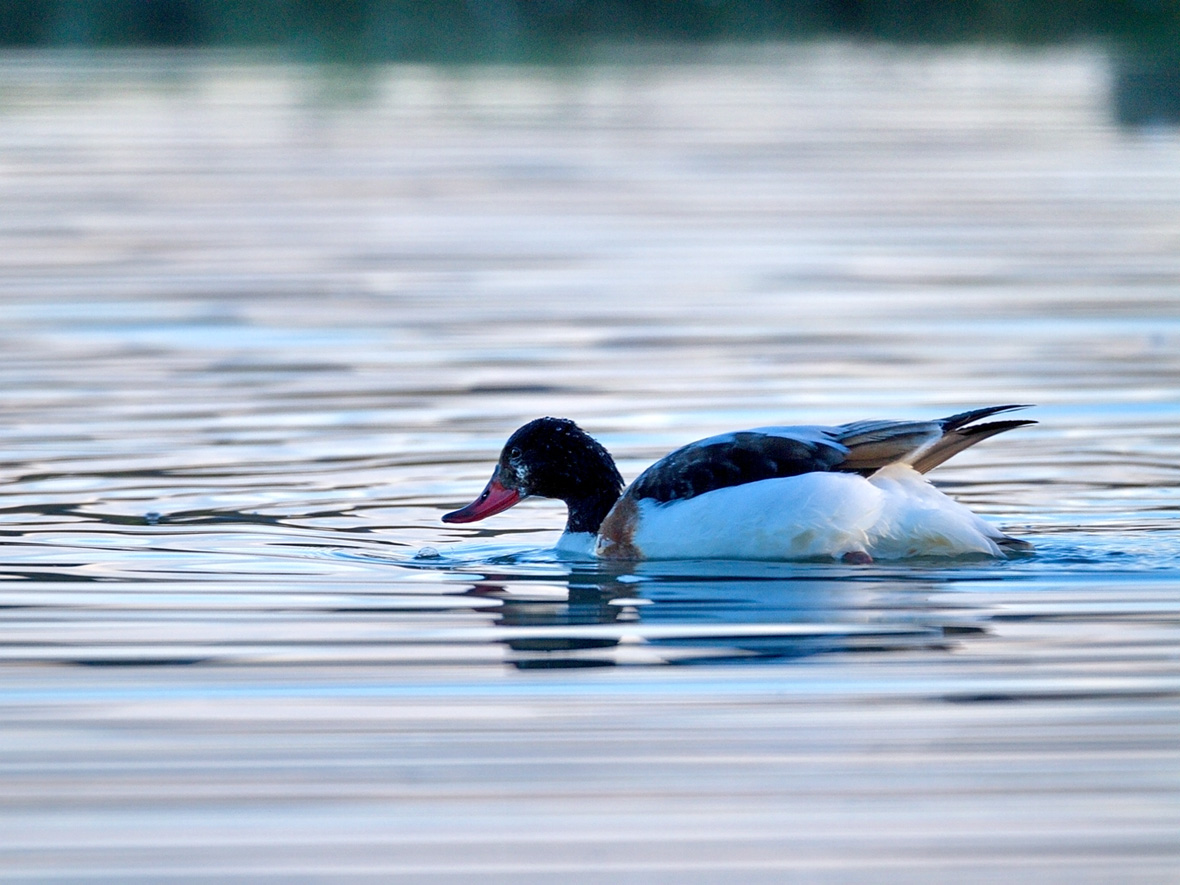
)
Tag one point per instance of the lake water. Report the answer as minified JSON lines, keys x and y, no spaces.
{"x":263,"y":325}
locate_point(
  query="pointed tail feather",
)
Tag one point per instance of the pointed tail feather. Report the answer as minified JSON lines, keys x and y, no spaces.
{"x":922,"y":444}
{"x":954,"y":422}
{"x":960,"y":433}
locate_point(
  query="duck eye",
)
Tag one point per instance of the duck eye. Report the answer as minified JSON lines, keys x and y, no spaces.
{"x":514,"y":453}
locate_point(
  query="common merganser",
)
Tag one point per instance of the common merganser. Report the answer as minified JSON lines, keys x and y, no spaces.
{"x":853,"y":492}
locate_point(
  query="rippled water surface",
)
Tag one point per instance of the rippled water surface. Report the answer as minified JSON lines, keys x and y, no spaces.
{"x":262,"y":326}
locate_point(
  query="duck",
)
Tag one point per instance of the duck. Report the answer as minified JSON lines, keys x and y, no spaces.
{"x":853,"y":492}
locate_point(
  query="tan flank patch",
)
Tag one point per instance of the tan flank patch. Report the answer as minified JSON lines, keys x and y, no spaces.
{"x":616,"y":535}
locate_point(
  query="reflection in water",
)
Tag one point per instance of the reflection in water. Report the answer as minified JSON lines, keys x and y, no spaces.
{"x":710,"y":612}
{"x":591,"y":600}
{"x":697,"y":620}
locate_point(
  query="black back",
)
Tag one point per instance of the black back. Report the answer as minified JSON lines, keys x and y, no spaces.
{"x":744,"y":457}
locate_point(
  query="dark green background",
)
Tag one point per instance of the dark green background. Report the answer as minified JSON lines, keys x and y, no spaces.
{"x":1143,"y":35}
{"x":546,"y":30}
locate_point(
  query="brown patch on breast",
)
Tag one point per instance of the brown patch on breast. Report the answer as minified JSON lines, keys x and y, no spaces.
{"x":616,"y":535}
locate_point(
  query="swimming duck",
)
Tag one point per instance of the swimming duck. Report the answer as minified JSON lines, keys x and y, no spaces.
{"x":854,"y":492}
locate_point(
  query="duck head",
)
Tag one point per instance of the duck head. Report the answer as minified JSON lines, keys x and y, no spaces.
{"x":550,"y":458}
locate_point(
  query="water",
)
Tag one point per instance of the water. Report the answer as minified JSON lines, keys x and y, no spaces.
{"x":263,"y":326}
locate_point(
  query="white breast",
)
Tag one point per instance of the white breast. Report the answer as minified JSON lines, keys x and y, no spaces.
{"x":576,"y":545}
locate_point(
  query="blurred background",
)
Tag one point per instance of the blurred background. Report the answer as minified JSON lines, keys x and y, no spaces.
{"x":278,"y":279}
{"x":1141,"y":34}
{"x":549,"y":30}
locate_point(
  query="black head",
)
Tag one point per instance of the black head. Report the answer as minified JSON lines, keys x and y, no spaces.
{"x":555,"y":458}
{"x":550,"y":458}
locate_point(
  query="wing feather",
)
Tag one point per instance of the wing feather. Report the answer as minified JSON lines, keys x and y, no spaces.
{"x":862,"y":447}
{"x":736,"y":459}
{"x":921,"y":444}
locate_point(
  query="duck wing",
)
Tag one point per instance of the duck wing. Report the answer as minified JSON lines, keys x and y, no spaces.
{"x":862,"y":447}
{"x":921,"y":444}
{"x":734,"y":459}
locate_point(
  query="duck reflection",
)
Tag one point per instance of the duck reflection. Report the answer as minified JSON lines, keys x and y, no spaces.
{"x":542,"y":629}
{"x":708,"y":613}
